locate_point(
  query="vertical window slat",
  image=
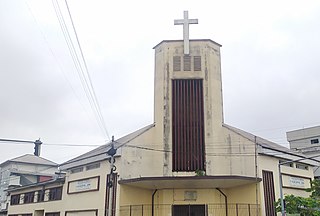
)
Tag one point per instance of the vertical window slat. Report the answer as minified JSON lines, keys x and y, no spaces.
{"x":188,"y":125}
{"x":269,"y":195}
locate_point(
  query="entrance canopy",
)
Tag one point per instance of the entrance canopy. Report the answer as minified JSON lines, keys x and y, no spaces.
{"x":195,"y":182}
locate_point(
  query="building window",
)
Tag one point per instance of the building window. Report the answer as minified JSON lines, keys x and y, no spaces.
{"x":197,"y":63}
{"x":176,"y":63}
{"x":28,"y":197}
{"x":15,"y":199}
{"x":314,"y":141}
{"x":286,"y":164}
{"x":40,"y":195}
{"x":302,"y":166}
{"x":187,"y":63}
{"x":93,"y":166}
{"x":269,"y":195}
{"x":77,"y":170}
{"x":188,"y":146}
{"x":55,"y":193}
{"x":53,"y":214}
{"x":26,"y":214}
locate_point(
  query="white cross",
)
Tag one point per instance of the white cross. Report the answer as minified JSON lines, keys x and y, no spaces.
{"x":185,"y":22}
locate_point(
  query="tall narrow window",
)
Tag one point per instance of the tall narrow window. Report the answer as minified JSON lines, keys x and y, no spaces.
{"x":40,"y":195}
{"x":187,"y":125}
{"x":15,"y":199}
{"x":29,"y":197}
{"x":268,"y":189}
{"x":55,"y":193}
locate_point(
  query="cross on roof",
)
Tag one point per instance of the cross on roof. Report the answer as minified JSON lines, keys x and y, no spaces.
{"x":185,"y":22}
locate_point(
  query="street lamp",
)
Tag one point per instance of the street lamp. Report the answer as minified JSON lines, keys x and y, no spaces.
{"x":283,"y":213}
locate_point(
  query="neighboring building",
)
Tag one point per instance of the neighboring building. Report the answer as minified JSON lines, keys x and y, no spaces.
{"x":306,"y":141}
{"x":189,"y":162}
{"x":21,"y":171}
{"x":40,"y":197}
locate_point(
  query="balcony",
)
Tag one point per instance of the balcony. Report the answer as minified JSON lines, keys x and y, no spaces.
{"x":208,"y":210}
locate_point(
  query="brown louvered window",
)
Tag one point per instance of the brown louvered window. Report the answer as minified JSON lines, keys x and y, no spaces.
{"x":268,"y":189}
{"x":187,"y":63}
{"x":187,"y":125}
{"x":197,"y":63}
{"x":176,"y":63}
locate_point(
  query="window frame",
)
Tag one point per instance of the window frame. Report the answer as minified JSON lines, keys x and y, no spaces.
{"x":15,"y":199}
{"x":28,"y":197}
{"x":55,"y":194}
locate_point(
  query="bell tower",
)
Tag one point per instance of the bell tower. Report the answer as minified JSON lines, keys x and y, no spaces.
{"x":188,"y":99}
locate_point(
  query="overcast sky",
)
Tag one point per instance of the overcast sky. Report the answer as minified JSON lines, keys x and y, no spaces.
{"x":270,"y":67}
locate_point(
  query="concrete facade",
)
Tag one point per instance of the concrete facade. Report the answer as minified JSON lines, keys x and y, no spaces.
{"x":241,"y":170}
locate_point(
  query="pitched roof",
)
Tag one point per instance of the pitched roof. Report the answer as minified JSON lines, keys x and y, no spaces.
{"x":30,"y":159}
{"x":274,"y":147}
{"x":99,"y":154}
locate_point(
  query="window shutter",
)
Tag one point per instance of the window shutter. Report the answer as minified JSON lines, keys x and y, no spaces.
{"x":176,"y":63}
{"x":187,"y":63}
{"x":197,"y":63}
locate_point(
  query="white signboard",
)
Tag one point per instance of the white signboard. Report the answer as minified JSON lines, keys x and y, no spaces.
{"x":296,"y":182}
{"x":83,"y":185}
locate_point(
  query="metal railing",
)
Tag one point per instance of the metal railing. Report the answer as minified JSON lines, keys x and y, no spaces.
{"x":211,"y":210}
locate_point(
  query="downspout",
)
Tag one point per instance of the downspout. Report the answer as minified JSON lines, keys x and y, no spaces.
{"x":256,"y":171}
{"x":225,"y":199}
{"x":152,"y":205}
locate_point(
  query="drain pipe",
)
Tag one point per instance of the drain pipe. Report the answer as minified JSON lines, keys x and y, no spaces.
{"x":225,"y":200}
{"x":152,"y":205}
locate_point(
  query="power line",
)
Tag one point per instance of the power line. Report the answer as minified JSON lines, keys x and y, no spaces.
{"x":90,"y":86}
{"x":83,"y":73}
{"x":55,"y":57}
{"x":88,"y":74}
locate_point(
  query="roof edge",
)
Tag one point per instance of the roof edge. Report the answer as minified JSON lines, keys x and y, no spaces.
{"x":166,"y":41}
{"x":80,"y":157}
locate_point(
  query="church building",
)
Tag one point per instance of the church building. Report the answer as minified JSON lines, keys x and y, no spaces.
{"x":188,"y":162}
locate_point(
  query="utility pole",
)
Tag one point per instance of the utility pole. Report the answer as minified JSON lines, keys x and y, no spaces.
{"x":110,"y":184}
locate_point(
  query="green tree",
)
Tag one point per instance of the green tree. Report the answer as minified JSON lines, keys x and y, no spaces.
{"x":309,"y":206}
{"x":315,"y":189}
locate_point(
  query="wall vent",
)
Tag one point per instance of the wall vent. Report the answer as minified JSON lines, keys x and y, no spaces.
{"x":197,"y":63}
{"x":176,"y":63}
